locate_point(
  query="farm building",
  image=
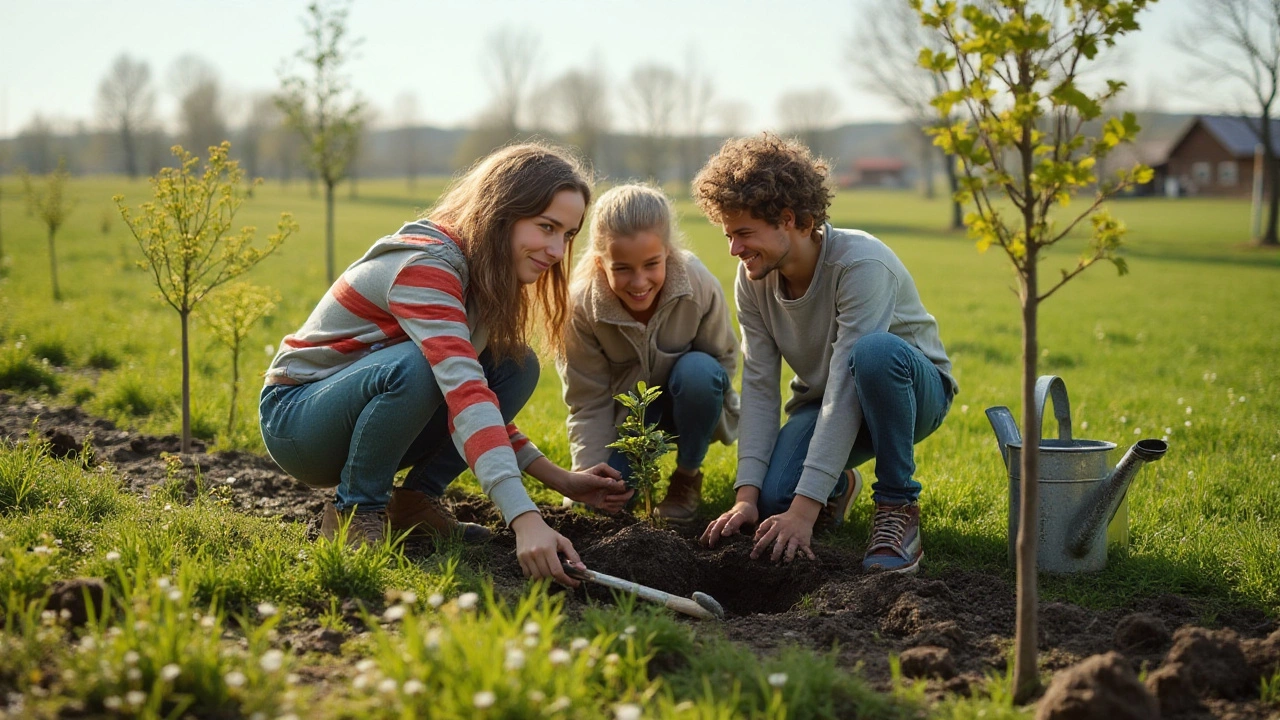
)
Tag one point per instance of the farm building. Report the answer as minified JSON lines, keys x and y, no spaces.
{"x":887,"y":172}
{"x":1215,"y":155}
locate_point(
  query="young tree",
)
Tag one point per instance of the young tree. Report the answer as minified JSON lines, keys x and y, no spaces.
{"x":643,"y":444}
{"x":1239,"y":40}
{"x":1013,"y":74}
{"x":48,"y":202}
{"x":231,"y":315}
{"x":187,"y":242}
{"x":323,"y":108}
{"x":125,"y":104}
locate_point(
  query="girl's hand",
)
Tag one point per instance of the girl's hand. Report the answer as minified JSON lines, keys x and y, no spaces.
{"x":599,"y":486}
{"x":742,"y":513}
{"x":538,"y":548}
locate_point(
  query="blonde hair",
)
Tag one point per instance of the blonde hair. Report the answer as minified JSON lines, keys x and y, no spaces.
{"x":481,"y":209}
{"x":624,"y":211}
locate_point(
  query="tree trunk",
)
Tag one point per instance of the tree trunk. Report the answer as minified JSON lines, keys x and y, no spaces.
{"x":328,"y":230}
{"x":53,"y":267}
{"x":130,"y":153}
{"x":926,"y":165}
{"x":953,"y":181}
{"x":1,"y":234}
{"x":1026,"y":680}
{"x":186,"y":387}
{"x":1271,"y":171}
{"x":235,"y":385}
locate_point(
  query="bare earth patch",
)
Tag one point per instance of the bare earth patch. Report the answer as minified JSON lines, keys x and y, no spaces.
{"x":952,"y":629}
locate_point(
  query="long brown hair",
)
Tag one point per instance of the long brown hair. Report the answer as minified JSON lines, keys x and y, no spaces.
{"x":481,"y":208}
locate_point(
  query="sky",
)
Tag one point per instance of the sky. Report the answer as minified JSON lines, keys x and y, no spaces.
{"x":53,"y":53}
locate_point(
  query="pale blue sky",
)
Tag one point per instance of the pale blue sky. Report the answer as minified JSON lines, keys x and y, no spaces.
{"x":54,"y":52}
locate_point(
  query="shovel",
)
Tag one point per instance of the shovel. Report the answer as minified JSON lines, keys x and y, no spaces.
{"x":701,"y":606}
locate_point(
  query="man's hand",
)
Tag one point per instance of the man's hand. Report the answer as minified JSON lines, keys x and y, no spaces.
{"x":599,"y":486}
{"x":538,"y":548}
{"x":789,"y":532}
{"x":742,"y":513}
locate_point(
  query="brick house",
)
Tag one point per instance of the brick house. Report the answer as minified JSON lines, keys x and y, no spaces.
{"x":1214,"y":156}
{"x":875,"y":172}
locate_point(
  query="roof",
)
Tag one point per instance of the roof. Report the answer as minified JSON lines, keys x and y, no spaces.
{"x":879,"y":164}
{"x":1236,"y":133}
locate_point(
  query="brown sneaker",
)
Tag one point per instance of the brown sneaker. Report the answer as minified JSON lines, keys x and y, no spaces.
{"x":895,"y":540}
{"x":680,"y":506}
{"x":426,"y":516}
{"x":365,"y":527}
{"x":837,"y":507}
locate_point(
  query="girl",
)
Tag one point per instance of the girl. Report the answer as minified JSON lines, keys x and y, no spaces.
{"x":643,"y":308}
{"x":424,"y":339}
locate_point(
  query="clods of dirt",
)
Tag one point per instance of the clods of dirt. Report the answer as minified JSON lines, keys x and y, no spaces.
{"x":72,"y":598}
{"x":1141,"y":633}
{"x":1103,"y":686}
{"x":928,"y":661}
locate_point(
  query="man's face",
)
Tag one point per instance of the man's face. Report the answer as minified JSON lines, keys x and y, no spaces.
{"x":760,"y":246}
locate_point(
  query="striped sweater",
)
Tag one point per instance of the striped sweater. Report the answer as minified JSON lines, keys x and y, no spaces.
{"x":412,"y":286}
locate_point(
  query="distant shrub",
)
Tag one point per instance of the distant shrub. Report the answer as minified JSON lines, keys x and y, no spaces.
{"x":52,"y":349}
{"x":19,"y":371}
{"x":101,"y":358}
{"x":132,"y":396}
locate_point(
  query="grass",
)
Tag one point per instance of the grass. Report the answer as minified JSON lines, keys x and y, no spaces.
{"x":1182,"y":347}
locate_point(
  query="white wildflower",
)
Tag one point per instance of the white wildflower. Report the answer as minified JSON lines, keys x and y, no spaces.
{"x":266,"y":609}
{"x":167,"y":507}
{"x":394,"y":613}
{"x":163,"y":583}
{"x":111,"y":702}
{"x":175,"y":595}
{"x":235,"y":678}
{"x":1168,"y":431}
{"x":579,"y":643}
{"x":271,"y":660}
{"x":41,"y":550}
{"x":1188,"y":409}
{"x":113,"y":556}
{"x":170,"y":672}
{"x":1124,"y":419}
{"x":537,"y":697}
{"x":435,"y":600}
{"x":530,"y":642}
{"x":629,"y":630}
{"x":558,"y":656}
{"x":777,"y":679}
{"x":964,"y":408}
{"x":414,"y":687}
{"x":360,"y":682}
{"x":483,"y":699}
{"x":1137,"y":431}
{"x":1180,"y":401}
{"x":134,"y":674}
{"x":208,"y":621}
{"x":514,"y":660}
{"x":467,"y":601}
{"x":627,"y":711}
{"x":1240,"y":399}
{"x":559,"y":704}
{"x":367,"y":665}
{"x":611,"y":659}
{"x":408,"y":597}
{"x":131,"y":658}
{"x":134,"y":698}
{"x":1191,"y":473}
{"x":1186,"y":423}
{"x":388,"y":686}
{"x":532,"y":628}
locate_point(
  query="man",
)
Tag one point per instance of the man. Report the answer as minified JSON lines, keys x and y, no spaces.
{"x":872,"y":378}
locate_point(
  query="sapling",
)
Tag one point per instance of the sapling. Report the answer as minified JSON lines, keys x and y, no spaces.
{"x":187,"y":242}
{"x":642,"y":444}
{"x":231,"y":315}
{"x":49,"y":203}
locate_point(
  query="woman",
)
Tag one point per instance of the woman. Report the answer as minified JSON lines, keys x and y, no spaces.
{"x":645,"y":309}
{"x":424,"y":339}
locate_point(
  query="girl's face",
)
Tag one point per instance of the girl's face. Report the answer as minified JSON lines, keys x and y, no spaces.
{"x":636,"y":268}
{"x":539,"y":242}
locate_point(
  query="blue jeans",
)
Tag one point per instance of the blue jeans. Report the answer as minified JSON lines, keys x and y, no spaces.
{"x":904,"y":399}
{"x":384,"y":412}
{"x":689,"y":407}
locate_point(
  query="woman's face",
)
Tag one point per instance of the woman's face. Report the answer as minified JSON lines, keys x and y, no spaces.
{"x":539,"y":242}
{"x":636,"y":268}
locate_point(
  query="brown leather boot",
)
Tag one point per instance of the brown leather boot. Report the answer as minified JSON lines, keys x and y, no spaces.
{"x":680,"y":506}
{"x":426,"y":516}
{"x":365,"y":528}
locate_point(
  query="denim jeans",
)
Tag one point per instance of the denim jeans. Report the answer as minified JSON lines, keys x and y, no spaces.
{"x":689,"y":407}
{"x":904,"y":399}
{"x":384,"y":412}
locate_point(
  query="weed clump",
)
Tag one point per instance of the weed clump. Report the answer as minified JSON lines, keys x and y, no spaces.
{"x":19,"y":371}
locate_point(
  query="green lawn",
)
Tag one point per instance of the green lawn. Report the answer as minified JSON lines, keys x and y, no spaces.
{"x":1182,"y":346}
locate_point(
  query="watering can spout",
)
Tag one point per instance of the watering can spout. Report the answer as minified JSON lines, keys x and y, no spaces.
{"x":1098,"y":510}
{"x":1006,"y":429}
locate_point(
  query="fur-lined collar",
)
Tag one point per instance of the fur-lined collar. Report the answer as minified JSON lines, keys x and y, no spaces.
{"x":607,"y":307}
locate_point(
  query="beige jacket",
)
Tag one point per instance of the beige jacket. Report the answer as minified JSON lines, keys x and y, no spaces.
{"x":607,"y":352}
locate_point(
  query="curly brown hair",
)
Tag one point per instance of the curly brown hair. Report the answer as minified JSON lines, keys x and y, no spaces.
{"x":764,"y":176}
{"x":481,"y":208}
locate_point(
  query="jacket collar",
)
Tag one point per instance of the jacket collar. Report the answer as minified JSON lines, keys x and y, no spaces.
{"x":608,"y":308}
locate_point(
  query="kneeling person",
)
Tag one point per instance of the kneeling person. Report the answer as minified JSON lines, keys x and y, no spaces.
{"x":872,"y":378}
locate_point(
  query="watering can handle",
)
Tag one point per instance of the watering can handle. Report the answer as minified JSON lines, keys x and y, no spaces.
{"x":1052,"y":386}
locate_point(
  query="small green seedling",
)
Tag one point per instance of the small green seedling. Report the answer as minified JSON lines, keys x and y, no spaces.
{"x":642,"y":444}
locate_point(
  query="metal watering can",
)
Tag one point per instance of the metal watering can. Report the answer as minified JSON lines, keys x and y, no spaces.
{"x":1083,"y":508}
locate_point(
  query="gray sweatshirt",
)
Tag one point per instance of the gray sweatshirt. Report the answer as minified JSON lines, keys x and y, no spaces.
{"x":859,"y":286}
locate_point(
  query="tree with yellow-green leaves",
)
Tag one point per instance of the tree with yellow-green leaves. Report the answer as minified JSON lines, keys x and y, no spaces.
{"x":232,"y":313}
{"x":47,"y":200}
{"x":187,"y":240}
{"x":1019,"y":119}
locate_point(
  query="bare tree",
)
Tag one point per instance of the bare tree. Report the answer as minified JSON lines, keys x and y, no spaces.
{"x":652,"y":94}
{"x":886,"y":62}
{"x":263,"y":119}
{"x":808,"y":115}
{"x":510,"y":57}
{"x":580,"y":107}
{"x":697,"y":99}
{"x":408,"y":144}
{"x":323,"y":108}
{"x":731,"y":116}
{"x":126,"y":102}
{"x":201,"y":116}
{"x":1239,"y":40}
{"x":35,"y":146}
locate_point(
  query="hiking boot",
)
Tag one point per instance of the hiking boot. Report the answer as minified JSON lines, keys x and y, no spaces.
{"x":425,"y":516}
{"x":895,"y":539}
{"x":680,"y":506}
{"x":837,"y":507}
{"x":366,"y":528}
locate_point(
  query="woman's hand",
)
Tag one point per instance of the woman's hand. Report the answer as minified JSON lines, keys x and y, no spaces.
{"x":790,"y":532}
{"x":742,"y":513}
{"x":538,"y":548}
{"x":599,"y":486}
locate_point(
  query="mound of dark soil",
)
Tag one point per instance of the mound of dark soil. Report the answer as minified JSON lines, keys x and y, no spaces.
{"x":954,"y":628}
